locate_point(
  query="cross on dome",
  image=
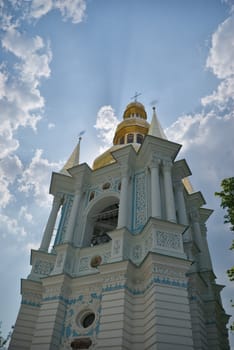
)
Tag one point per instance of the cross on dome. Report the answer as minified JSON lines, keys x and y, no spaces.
{"x":135,"y":96}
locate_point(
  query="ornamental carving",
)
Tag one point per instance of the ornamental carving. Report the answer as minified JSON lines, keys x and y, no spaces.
{"x":168,"y":240}
{"x":155,"y":161}
{"x":167,"y":164}
{"x":116,"y":247}
{"x":148,"y":243}
{"x":137,"y":252}
{"x":140,"y":200}
{"x":84,"y":264}
{"x":77,"y":308}
{"x":43,"y":267}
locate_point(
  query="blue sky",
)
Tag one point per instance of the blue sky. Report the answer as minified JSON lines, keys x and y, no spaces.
{"x":73,"y":65}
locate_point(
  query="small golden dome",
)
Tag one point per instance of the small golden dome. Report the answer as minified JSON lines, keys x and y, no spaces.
{"x":135,"y":109}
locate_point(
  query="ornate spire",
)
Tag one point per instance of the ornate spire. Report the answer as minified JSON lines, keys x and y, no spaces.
{"x":155,"y":128}
{"x":74,"y":158}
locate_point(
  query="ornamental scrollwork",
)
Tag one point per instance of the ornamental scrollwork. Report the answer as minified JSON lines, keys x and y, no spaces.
{"x":168,"y":240}
{"x":140,"y":200}
{"x":43,"y":267}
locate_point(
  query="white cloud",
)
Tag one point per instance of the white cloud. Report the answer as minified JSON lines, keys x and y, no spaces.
{"x":221,"y":56}
{"x":106,"y":124}
{"x":51,"y":125}
{"x":221,"y":62}
{"x":3,"y":79}
{"x":36,"y":177}
{"x":222,"y":95}
{"x":25,"y":214}
{"x":40,"y":8}
{"x":21,"y":103}
{"x":208,"y":140}
{"x":70,"y":9}
{"x":10,"y":168}
{"x":10,"y":226}
{"x":33,"y":53}
{"x":7,"y":142}
{"x":31,"y":245}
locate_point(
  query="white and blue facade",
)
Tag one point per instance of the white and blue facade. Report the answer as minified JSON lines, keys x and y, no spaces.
{"x":130,"y":266}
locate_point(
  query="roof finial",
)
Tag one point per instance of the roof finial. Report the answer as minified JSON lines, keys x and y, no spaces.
{"x":77,"y":154}
{"x":135,"y":96}
{"x":155,"y":128}
{"x":74,"y":158}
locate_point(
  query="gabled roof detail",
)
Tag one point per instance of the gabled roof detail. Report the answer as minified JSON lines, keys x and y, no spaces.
{"x":155,"y":128}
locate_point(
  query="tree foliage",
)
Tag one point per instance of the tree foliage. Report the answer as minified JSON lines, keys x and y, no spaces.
{"x":227,"y":202}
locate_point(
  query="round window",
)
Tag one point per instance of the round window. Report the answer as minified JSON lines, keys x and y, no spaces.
{"x":85,"y":318}
{"x":88,"y":320}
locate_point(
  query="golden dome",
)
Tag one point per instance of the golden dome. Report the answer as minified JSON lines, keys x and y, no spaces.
{"x":131,"y":130}
{"x":135,"y":109}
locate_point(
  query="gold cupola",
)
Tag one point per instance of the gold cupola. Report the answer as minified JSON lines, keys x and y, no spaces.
{"x":131,"y":130}
{"x":134,"y":126}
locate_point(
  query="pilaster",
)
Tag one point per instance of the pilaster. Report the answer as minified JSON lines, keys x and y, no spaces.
{"x":155,"y":187}
{"x":168,"y":189}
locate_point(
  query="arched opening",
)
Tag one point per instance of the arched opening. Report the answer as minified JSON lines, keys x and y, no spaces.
{"x":139,"y":138}
{"x":102,"y":217}
{"x":105,"y":221}
{"x":130,"y":138}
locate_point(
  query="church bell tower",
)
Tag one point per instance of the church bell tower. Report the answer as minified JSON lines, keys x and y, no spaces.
{"x":129,"y":268}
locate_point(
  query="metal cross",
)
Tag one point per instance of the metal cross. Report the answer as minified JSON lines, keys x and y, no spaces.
{"x":135,"y":96}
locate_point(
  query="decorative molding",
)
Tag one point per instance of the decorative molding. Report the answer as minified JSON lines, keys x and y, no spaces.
{"x":84,"y":264}
{"x":155,"y":161}
{"x":43,"y":267}
{"x":140,"y":201}
{"x":116,"y":246}
{"x":148,"y":243}
{"x":98,"y":188}
{"x":167,"y":165}
{"x":71,"y":327}
{"x":137,"y":252}
{"x":85,"y":261}
{"x":31,"y":299}
{"x":168,"y":240}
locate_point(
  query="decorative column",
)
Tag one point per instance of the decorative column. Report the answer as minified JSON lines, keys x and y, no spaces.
{"x":205,"y":246}
{"x":57,"y":201}
{"x":155,"y":188}
{"x":123,"y":202}
{"x":198,"y":238}
{"x":73,"y":215}
{"x":168,"y":189}
{"x":179,"y":195}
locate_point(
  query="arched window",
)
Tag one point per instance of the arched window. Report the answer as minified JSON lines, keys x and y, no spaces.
{"x":121,"y":141}
{"x":130,"y":138}
{"x":92,"y":195}
{"x":139,"y":138}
